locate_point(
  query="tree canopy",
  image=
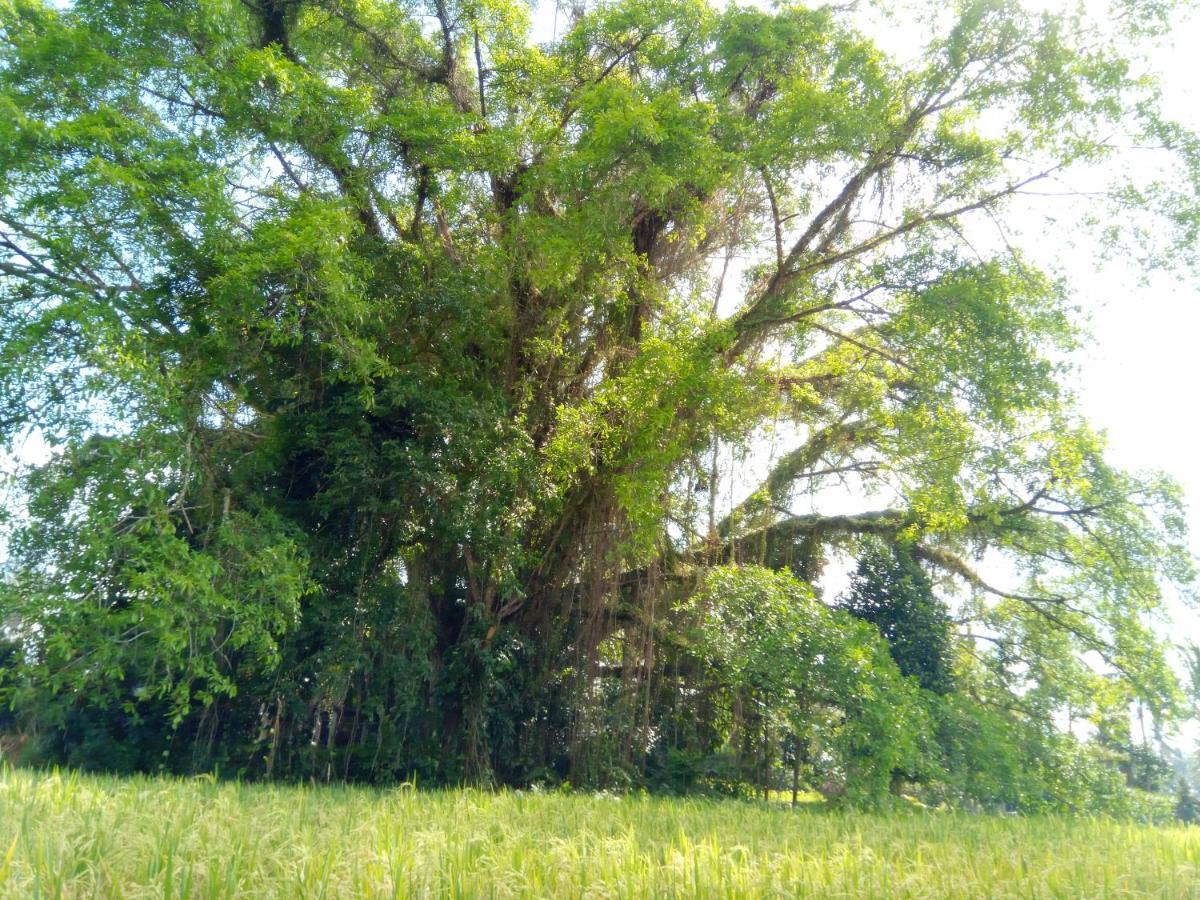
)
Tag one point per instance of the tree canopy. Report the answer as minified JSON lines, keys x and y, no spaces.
{"x":390,"y":361}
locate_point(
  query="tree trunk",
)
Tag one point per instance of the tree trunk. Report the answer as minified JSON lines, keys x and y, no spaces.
{"x":796,"y":774}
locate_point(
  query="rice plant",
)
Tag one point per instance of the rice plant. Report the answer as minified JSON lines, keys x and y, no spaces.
{"x":69,"y":835}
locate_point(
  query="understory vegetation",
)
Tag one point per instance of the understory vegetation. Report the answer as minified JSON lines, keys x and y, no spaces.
{"x":415,"y":400}
{"x":86,"y":836}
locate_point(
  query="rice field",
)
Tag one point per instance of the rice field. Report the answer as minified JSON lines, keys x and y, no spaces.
{"x":67,"y":835}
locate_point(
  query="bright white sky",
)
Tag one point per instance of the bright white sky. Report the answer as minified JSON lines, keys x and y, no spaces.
{"x":1138,"y":379}
{"x":1139,"y":375}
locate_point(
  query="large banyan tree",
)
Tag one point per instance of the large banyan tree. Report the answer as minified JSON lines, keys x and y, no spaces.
{"x":392,"y":358}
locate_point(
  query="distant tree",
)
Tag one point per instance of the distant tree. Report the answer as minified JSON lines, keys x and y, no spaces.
{"x":1187,"y":807}
{"x":892,"y":591}
{"x":1191,"y":663}
{"x":1147,"y":770}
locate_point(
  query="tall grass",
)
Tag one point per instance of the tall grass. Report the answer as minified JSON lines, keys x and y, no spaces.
{"x":66,"y":835}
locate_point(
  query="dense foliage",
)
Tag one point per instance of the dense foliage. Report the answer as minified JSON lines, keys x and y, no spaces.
{"x":895,"y":594}
{"x":401,"y":376}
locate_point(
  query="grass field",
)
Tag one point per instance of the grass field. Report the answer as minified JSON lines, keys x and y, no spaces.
{"x":64,"y":835}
